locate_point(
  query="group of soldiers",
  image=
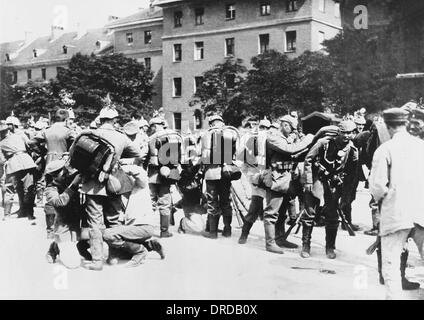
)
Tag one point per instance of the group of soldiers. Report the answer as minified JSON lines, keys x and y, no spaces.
{"x":92,"y":180}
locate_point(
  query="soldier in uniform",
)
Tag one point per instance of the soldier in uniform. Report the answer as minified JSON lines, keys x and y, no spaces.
{"x":215,"y":157}
{"x":256,"y":146}
{"x":19,"y":167}
{"x":102,"y":206}
{"x":398,"y":190}
{"x":280,"y":169}
{"x":329,"y":166}
{"x":159,"y":173}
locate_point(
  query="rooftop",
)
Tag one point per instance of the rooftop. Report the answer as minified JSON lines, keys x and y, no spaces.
{"x":144,"y":15}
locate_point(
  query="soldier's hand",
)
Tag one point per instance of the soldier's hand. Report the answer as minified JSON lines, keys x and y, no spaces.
{"x":308,"y":187}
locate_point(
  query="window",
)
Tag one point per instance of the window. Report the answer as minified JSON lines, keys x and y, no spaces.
{"x":177,"y":87}
{"x":65,"y":49}
{"x":15,"y":77}
{"x":198,"y":81}
{"x":321,"y":39}
{"x":29,"y":74}
{"x":321,"y":5}
{"x":291,"y":41}
{"x":43,"y":73}
{"x":198,"y":50}
{"x":229,"y":47}
{"x":98,"y":44}
{"x":148,"y":63}
{"x":265,"y":9}
{"x":291,"y":5}
{"x":337,"y":10}
{"x":34,"y":52}
{"x":7,"y":57}
{"x":177,"y":52}
{"x":147,"y":37}
{"x":263,"y":43}
{"x":130,"y":39}
{"x":198,"y":118}
{"x":177,"y":120}
{"x":230,"y":80}
{"x":199,"y":12}
{"x":178,"y":19}
{"x":230,"y":11}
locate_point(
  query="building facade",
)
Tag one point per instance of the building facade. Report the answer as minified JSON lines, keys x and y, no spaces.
{"x":139,"y":36}
{"x":199,"y":34}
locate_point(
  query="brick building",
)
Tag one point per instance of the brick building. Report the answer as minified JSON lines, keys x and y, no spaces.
{"x":139,"y":36}
{"x":198,"y":34}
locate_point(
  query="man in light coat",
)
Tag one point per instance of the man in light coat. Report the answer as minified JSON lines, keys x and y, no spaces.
{"x":397,"y":184}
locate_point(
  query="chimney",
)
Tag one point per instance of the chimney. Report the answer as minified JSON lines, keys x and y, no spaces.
{"x":56,"y":32}
{"x":112,"y":18}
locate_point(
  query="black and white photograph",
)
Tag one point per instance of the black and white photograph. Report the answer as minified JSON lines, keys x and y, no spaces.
{"x":226,"y":151}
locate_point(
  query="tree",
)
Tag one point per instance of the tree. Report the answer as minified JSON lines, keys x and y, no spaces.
{"x":90,"y":78}
{"x":221,"y":91}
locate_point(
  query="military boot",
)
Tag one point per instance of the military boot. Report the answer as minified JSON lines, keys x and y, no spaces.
{"x":213,"y":227}
{"x":83,"y":246}
{"x":7,"y":209}
{"x":96,"y":249}
{"x":330,"y":241}
{"x":406,"y":284}
{"x":155,"y":245}
{"x":52,"y":253}
{"x":280,"y":231}
{"x":270,"y":244}
{"x":306,"y":241}
{"x":226,"y":232}
{"x":164,"y":226}
{"x":245,"y":232}
{"x":138,"y":251}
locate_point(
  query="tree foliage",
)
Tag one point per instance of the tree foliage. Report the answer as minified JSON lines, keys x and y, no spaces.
{"x":221,"y":90}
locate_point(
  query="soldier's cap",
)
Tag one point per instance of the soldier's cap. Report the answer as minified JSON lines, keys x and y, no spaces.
{"x":360,"y":120}
{"x":13,"y":121}
{"x":143,"y":123}
{"x":347,"y":126}
{"x":108,"y":113}
{"x":156,"y":120}
{"x":395,"y":115}
{"x":418,"y":114}
{"x":54,"y":166}
{"x":275,"y":125}
{"x":215,"y":117}
{"x":265,"y":123}
{"x":131,"y":128}
{"x":290,"y":120}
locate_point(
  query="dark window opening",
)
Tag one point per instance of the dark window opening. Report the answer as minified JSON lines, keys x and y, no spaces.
{"x":178,"y":19}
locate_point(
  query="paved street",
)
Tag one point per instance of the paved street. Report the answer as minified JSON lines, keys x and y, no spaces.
{"x":199,"y":268}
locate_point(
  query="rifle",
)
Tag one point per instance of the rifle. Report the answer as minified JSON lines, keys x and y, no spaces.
{"x":342,"y":216}
{"x":297,"y":222}
{"x":374,"y":246}
{"x":239,"y":215}
{"x":239,"y":199}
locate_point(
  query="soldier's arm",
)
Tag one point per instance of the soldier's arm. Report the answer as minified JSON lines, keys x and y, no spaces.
{"x":280,"y":145}
{"x":379,"y":176}
{"x":58,"y":200}
{"x":310,"y":158}
{"x":132,"y":150}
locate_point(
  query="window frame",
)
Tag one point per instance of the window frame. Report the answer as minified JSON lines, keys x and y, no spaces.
{"x":147,"y":35}
{"x":196,"y":50}
{"x":196,"y":16}
{"x":267,"y":5}
{"x":148,"y":66}
{"x":174,"y":88}
{"x":178,"y":17}
{"x":180,"y":120}
{"x":230,"y":14}
{"x":15,"y":77}
{"x":175,"y":52}
{"x":128,"y":36}
{"x":195,"y":83}
{"x":292,"y":6}
{"x":233,"y":46}
{"x":44,"y":73}
{"x":260,"y":43}
{"x":29,"y":74}
{"x":286,"y":42}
